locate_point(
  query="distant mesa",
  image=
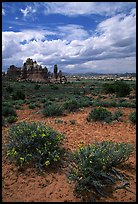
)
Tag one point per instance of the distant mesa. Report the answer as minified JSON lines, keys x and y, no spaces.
{"x":31,"y":71}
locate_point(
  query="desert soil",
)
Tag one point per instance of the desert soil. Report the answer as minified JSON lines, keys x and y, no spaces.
{"x":28,"y":186}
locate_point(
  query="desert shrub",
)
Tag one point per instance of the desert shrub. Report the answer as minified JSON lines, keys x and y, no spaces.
{"x":33,"y":144}
{"x":7,"y":103}
{"x":37,"y":86}
{"x":127,"y":104}
{"x":43,"y":100}
{"x":20,"y":102}
{"x":11,"y":119}
{"x":47,"y":103}
{"x":71,"y":105}
{"x":132,"y":117}
{"x":19,"y":94}
{"x":85,"y":101}
{"x":117,"y":115}
{"x":104,"y":103}
{"x":93,"y":168}
{"x":9,"y":89}
{"x":121,"y":88}
{"x":54,"y":87}
{"x":108,"y":88}
{"x":32,"y":106}
{"x":8,"y":111}
{"x":17,"y":107}
{"x":99,"y":114}
{"x":38,"y":105}
{"x":113,"y":104}
{"x":53,"y":110}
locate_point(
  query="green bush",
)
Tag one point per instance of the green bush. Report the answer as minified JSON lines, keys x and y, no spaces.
{"x":32,"y":106}
{"x":37,"y":86}
{"x":11,"y":119}
{"x":85,"y":101}
{"x":17,"y":107}
{"x":54,"y":87}
{"x":33,"y":144}
{"x":132,"y":117}
{"x":127,"y":104}
{"x":93,"y":168}
{"x":100,"y":114}
{"x":53,"y":110}
{"x":47,"y":103}
{"x":71,"y":105}
{"x":9,"y":89}
{"x":108,"y":88}
{"x":120,"y":88}
{"x":8,"y":111}
{"x":19,"y":94}
{"x":117,"y":115}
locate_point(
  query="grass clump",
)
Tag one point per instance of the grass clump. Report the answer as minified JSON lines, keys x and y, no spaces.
{"x":33,"y":144}
{"x":93,"y":168}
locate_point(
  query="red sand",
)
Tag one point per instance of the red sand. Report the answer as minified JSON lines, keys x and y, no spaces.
{"x":53,"y":185}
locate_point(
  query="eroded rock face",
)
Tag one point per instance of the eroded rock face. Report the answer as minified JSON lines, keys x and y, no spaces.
{"x":34,"y":72}
{"x":13,"y":71}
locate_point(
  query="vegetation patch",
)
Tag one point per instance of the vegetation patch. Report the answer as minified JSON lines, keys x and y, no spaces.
{"x":53,"y":110}
{"x":8,"y":111}
{"x":132,"y":117}
{"x":117,"y":115}
{"x":93,"y":168}
{"x":100,"y":114}
{"x":19,"y":94}
{"x":11,"y":119}
{"x":71,"y":105}
{"x":33,"y":144}
{"x":120,"y":88}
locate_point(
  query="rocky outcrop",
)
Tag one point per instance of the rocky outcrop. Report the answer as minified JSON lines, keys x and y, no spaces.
{"x":34,"y":72}
{"x":13,"y":72}
{"x":31,"y":71}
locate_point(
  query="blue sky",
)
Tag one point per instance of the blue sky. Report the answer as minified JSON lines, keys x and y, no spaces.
{"x":77,"y":36}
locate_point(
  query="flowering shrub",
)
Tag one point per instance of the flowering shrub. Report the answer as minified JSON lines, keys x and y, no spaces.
{"x":92,"y":168}
{"x":33,"y":143}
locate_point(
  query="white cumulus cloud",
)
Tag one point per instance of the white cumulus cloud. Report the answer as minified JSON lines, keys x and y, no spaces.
{"x":111,"y":48}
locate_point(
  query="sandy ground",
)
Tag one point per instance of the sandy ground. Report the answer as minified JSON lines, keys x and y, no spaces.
{"x":53,"y":186}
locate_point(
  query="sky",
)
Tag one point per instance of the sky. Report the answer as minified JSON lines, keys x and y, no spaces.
{"x":79,"y":37}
